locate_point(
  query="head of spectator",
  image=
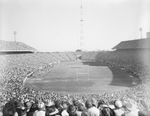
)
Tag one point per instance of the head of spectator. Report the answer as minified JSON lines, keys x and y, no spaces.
{"x":19,"y":105}
{"x":57,"y":104}
{"x":118,"y":108}
{"x":129,"y":106}
{"x":94,"y":102}
{"x":101,"y":103}
{"x":26,"y":100}
{"x":81,"y":107}
{"x":34,"y":107}
{"x":21,"y":110}
{"x":88,"y":104}
{"x":64,"y":106}
{"x":49,"y":103}
{"x":111,"y":106}
{"x":75,"y":102}
{"x":117,"y":104}
{"x":41,"y":106}
{"x":72,"y":110}
{"x":130,"y":109}
{"x":28,"y":105}
{"x":64,"y":109}
{"x":106,"y":111}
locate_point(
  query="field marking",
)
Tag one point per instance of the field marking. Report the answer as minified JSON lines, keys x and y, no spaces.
{"x":82,"y":73}
{"x":64,"y":80}
{"x":101,"y":79}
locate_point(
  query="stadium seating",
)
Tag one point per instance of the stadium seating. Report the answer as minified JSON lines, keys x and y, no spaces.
{"x":17,"y":67}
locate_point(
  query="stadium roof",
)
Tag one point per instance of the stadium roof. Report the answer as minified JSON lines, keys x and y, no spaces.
{"x":14,"y":46}
{"x":134,"y":44}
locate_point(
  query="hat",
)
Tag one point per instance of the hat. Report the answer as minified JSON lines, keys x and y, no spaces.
{"x":26,"y":100}
{"x":130,"y":106}
{"x":64,"y":105}
{"x":101,"y":102}
{"x":111,"y":106}
{"x":81,"y":107}
{"x":71,"y":109}
{"x":104,"y":105}
{"x":18,"y":104}
{"x":118,"y":104}
{"x":49,"y":103}
{"x":41,"y":105}
{"x":88,"y":103}
{"x":75,"y":102}
{"x":28,"y":104}
{"x":94,"y":102}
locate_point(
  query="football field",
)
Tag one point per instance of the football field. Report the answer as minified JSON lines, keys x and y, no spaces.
{"x":82,"y":77}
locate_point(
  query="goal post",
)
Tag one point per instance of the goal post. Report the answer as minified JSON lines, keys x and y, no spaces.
{"x":78,"y":72}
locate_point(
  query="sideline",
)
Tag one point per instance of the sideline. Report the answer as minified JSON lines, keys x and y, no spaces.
{"x":30,"y":75}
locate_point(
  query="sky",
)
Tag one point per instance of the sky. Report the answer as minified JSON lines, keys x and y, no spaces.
{"x":54,"y":25}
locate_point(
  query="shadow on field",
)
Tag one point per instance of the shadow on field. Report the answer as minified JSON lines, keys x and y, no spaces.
{"x":120,"y":78}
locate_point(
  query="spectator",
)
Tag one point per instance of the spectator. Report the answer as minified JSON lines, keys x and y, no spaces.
{"x":33,"y":108}
{"x":21,"y":110}
{"x":92,"y":110}
{"x":9,"y":109}
{"x":131,"y":109}
{"x":94,"y":102}
{"x":51,"y":110}
{"x":106,"y":111}
{"x":101,"y":104}
{"x":59,"y":107}
{"x":72,"y":110}
{"x":64,"y":109}
{"x":82,"y":110}
{"x":28,"y":105}
{"x":41,"y":110}
{"x":118,"y":108}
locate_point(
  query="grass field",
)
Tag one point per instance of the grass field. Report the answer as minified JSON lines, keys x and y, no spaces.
{"x":82,"y":77}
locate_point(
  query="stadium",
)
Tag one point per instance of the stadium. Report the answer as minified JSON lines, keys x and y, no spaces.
{"x":109,"y":75}
{"x":82,"y":82}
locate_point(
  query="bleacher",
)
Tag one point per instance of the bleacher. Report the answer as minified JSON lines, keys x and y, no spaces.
{"x":15,"y":47}
{"x":15,"y":68}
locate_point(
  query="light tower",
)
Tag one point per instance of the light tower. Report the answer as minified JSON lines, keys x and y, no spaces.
{"x":15,"y":32}
{"x":141,"y":30}
{"x":81,"y":46}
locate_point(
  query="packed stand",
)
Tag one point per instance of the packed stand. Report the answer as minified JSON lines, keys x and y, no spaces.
{"x":72,"y":107}
{"x":14,"y":46}
{"x":89,"y":55}
{"x":133,"y":62}
{"x":17,"y":67}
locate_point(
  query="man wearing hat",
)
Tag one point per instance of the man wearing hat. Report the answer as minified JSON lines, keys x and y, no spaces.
{"x":64,"y":108}
{"x":91,"y":109}
{"x":131,"y":109}
{"x":41,"y":110}
{"x":72,"y":110}
{"x":118,"y":108}
{"x":51,"y":109}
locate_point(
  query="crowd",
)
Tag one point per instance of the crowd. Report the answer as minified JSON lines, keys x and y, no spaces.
{"x":15,"y":68}
{"x":89,"y":55}
{"x":14,"y":46}
{"x":133,"y":62}
{"x":72,"y":107}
